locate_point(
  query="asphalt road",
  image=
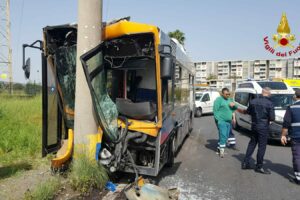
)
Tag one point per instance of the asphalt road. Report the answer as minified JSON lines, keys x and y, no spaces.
{"x":200,"y":173}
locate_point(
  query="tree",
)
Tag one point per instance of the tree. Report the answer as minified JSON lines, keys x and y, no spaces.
{"x":18,"y":86}
{"x":178,"y":35}
{"x":211,"y":77}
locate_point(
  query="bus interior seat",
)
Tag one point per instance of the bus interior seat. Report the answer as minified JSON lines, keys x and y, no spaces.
{"x":139,"y":110}
{"x":143,"y":94}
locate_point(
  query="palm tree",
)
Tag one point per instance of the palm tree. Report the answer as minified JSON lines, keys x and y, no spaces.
{"x":178,"y":35}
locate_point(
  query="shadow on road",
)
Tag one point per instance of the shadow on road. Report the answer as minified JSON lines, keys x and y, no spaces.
{"x":245,"y":132}
{"x":212,"y":144}
{"x":167,"y":171}
{"x":278,"y":168}
{"x":9,"y":170}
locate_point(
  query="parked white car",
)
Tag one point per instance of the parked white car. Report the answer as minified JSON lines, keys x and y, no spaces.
{"x":281,"y":96}
{"x":204,"y":102}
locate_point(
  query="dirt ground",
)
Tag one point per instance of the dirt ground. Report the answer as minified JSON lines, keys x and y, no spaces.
{"x":15,"y":186}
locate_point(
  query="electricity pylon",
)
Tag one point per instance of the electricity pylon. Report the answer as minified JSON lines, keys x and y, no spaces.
{"x":5,"y":43}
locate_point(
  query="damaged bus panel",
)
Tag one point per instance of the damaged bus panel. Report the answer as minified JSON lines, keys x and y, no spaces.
{"x":141,"y":84}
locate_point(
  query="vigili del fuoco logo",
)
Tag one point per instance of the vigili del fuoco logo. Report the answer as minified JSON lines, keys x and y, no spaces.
{"x":282,"y":40}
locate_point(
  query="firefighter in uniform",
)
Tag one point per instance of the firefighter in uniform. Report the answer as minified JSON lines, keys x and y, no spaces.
{"x":262,"y":113}
{"x":291,"y":125}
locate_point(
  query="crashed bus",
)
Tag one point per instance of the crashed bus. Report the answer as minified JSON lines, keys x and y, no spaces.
{"x":141,"y":84}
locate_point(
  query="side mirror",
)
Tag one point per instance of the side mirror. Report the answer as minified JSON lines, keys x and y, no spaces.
{"x":26,"y":68}
{"x":165,"y":49}
{"x":26,"y":65}
{"x":166,"y":67}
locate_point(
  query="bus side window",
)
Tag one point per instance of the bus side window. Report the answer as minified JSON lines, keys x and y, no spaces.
{"x":178,"y":74}
{"x":167,"y":94}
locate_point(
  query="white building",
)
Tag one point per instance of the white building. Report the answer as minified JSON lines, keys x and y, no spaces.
{"x":230,"y":73}
{"x":296,"y":71}
{"x":223,"y":70}
{"x":204,"y":70}
{"x":260,"y":68}
{"x":278,"y":68}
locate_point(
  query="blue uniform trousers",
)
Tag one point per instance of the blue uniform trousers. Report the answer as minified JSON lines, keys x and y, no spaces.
{"x":224,"y":129}
{"x":296,"y":158}
{"x":231,"y":139}
{"x":260,"y":137}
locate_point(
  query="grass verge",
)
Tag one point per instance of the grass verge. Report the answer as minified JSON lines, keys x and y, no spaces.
{"x":20,"y":128}
{"x":45,"y":191}
{"x":87,"y":174}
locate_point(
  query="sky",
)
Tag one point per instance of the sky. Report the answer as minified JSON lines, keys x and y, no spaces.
{"x":215,"y":30}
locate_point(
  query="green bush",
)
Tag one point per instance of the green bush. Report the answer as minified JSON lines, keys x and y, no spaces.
{"x":44,"y":191}
{"x":87,"y":174}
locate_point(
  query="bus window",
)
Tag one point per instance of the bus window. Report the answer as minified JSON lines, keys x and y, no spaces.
{"x":167,"y":97}
{"x":178,"y":74}
{"x":185,"y":87}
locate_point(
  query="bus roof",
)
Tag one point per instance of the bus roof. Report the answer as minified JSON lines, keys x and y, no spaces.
{"x":125,"y":27}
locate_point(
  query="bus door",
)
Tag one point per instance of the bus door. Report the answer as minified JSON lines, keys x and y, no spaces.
{"x":52,"y":118}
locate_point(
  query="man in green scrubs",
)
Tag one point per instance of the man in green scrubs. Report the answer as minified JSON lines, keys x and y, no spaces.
{"x":223,"y":109}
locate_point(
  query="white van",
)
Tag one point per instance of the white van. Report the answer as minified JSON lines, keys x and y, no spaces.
{"x":281,"y":96}
{"x":204,"y":102}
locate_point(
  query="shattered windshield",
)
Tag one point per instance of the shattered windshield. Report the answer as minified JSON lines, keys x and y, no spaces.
{"x":65,"y":62}
{"x":105,"y":108}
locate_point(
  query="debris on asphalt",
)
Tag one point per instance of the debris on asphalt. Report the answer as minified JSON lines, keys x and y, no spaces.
{"x":150,"y":192}
{"x":110,"y":186}
{"x":118,"y":194}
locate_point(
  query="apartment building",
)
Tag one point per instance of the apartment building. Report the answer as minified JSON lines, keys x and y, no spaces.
{"x":223,"y":70}
{"x":230,"y":73}
{"x":260,"y":69}
{"x":278,"y":68}
{"x":204,"y":70}
{"x":296,"y":70}
{"x":228,"y":83}
{"x":236,"y":69}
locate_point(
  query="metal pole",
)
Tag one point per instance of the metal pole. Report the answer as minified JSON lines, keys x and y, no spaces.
{"x":89,"y":36}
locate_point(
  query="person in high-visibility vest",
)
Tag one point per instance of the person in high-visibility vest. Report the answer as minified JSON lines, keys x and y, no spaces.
{"x":291,"y":125}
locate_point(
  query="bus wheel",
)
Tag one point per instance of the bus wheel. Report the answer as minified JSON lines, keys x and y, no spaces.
{"x":190,"y":125}
{"x":198,"y":112}
{"x":171,"y":156}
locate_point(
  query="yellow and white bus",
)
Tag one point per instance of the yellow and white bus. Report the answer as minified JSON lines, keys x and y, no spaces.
{"x":141,"y":83}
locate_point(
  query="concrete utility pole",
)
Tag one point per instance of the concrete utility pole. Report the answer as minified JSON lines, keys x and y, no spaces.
{"x":89,"y":36}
